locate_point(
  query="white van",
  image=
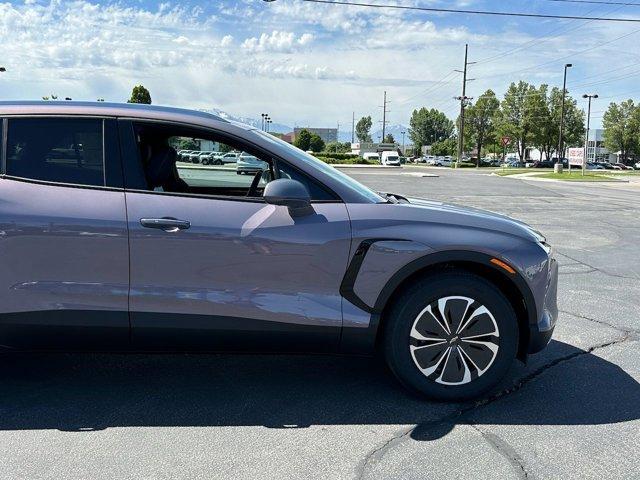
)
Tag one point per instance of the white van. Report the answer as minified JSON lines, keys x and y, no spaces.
{"x":391,"y":159}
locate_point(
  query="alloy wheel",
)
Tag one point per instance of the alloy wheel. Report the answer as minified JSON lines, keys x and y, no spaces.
{"x":454,"y":340}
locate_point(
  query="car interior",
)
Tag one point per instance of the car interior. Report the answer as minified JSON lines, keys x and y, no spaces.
{"x":162,"y":171}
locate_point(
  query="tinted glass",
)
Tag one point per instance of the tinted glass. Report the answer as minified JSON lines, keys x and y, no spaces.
{"x":336,"y":174}
{"x":316,"y":191}
{"x":64,"y":150}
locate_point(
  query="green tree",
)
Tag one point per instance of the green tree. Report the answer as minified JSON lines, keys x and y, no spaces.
{"x":427,"y":127}
{"x":316,"y":144}
{"x":363,"y":129}
{"x":139,"y":94}
{"x":516,"y":114}
{"x":303,"y":140}
{"x":480,"y":121}
{"x":388,"y":138}
{"x":338,"y":147}
{"x":546,"y":111}
{"x":621,"y":123}
{"x":445,"y":147}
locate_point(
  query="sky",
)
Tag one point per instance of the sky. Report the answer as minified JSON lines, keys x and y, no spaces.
{"x":310,"y":64}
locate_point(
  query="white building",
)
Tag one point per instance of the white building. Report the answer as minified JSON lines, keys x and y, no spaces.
{"x":596,"y":151}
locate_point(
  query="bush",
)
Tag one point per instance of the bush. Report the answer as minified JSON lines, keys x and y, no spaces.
{"x":351,"y":160}
{"x":338,"y":156}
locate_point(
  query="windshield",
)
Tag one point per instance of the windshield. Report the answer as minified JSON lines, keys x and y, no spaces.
{"x":326,"y":168}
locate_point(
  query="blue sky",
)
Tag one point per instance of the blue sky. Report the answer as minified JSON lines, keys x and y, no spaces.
{"x":308,"y":63}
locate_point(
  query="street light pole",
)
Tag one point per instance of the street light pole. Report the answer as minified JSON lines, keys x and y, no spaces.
{"x":403,"y":150}
{"x":564,"y":95}
{"x":586,"y":137}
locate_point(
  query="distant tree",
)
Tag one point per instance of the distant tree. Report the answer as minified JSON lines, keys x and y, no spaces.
{"x":427,"y":127}
{"x":445,"y":147}
{"x":480,"y":121}
{"x":621,"y":123}
{"x":545,"y":111}
{"x":139,"y":94}
{"x":515,"y":118}
{"x":363,"y":129}
{"x":224,"y":148}
{"x":186,"y":144}
{"x":388,"y":138}
{"x":316,"y":144}
{"x":338,"y":147}
{"x":303,"y":140}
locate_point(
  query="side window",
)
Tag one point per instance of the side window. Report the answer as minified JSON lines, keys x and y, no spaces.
{"x":180,"y":159}
{"x":317,"y":191}
{"x":63,"y":150}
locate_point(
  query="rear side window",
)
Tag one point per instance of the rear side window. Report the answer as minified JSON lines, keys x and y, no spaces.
{"x":62,"y":150}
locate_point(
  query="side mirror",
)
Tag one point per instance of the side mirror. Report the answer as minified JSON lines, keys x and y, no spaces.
{"x":289,"y":193}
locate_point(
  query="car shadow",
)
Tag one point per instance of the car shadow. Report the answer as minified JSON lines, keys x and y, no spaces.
{"x":86,"y":392}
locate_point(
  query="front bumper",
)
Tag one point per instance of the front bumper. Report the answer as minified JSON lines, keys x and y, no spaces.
{"x":541,"y":332}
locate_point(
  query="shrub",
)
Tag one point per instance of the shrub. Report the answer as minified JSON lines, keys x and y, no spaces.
{"x":338,"y":156}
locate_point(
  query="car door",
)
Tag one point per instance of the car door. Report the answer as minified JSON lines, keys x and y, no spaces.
{"x":63,"y":235}
{"x":219,"y":272}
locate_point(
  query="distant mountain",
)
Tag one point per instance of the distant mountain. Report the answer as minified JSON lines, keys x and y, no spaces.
{"x":396,"y":131}
{"x":275,"y":127}
{"x":343,"y":135}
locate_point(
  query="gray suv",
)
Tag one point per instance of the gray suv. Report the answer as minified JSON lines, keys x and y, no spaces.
{"x":108,"y":244}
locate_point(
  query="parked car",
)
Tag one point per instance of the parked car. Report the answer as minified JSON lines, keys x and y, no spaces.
{"x":622,"y":166}
{"x":390,"y":159}
{"x":445,"y":161}
{"x":250,"y":164}
{"x":371,"y":156}
{"x":119,"y":251}
{"x":594,"y":166}
{"x":430,"y":159}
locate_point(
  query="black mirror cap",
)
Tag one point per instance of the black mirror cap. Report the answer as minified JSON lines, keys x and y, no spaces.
{"x":289,"y":193}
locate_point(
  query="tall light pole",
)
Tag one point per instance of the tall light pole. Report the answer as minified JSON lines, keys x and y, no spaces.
{"x":403,"y":132}
{"x":586,"y":137}
{"x":564,"y":96}
{"x":264,"y":116}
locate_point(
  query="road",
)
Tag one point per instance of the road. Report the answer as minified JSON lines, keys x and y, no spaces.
{"x":572,"y":412}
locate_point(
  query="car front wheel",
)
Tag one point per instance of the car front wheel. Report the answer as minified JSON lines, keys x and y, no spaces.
{"x":451,"y":337}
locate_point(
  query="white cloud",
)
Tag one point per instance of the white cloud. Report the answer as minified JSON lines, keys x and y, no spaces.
{"x":276,"y":41}
{"x":313,"y":63}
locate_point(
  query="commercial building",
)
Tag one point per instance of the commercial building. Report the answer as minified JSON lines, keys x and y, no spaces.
{"x":596,"y":151}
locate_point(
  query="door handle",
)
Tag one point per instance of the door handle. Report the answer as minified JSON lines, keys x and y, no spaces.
{"x":168,"y":224}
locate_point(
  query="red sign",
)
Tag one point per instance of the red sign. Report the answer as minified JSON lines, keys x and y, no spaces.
{"x":505,"y":141}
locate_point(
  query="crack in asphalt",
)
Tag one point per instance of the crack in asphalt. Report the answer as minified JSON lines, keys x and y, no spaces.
{"x":597,"y":269}
{"x":626,"y":330}
{"x":379,"y":452}
{"x":507,"y":451}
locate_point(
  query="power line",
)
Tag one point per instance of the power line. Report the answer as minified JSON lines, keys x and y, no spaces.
{"x":596,"y":2}
{"x":475,"y":12}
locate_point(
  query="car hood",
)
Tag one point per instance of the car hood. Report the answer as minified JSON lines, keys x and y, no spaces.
{"x":473,"y":217}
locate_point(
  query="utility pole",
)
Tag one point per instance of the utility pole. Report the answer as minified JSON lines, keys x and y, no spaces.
{"x":403,"y":150}
{"x":353,"y":127}
{"x":463,"y":103}
{"x":564,"y":95}
{"x":384,"y":115}
{"x":590,"y":96}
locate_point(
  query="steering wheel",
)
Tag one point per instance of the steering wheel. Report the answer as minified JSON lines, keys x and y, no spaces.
{"x":253,"y":189}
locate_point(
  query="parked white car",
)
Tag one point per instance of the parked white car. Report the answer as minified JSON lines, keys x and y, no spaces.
{"x":431,"y":160}
{"x":446,"y":161}
{"x":390,"y":159}
{"x":372,"y":157}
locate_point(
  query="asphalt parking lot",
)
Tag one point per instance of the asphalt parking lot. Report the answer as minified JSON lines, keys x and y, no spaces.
{"x":572,"y":412}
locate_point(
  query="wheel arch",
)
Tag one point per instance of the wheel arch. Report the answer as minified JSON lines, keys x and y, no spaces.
{"x":513,"y":286}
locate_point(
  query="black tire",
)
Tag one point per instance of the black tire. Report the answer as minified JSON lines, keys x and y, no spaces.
{"x":458,"y":380}
{"x":217,"y":162}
